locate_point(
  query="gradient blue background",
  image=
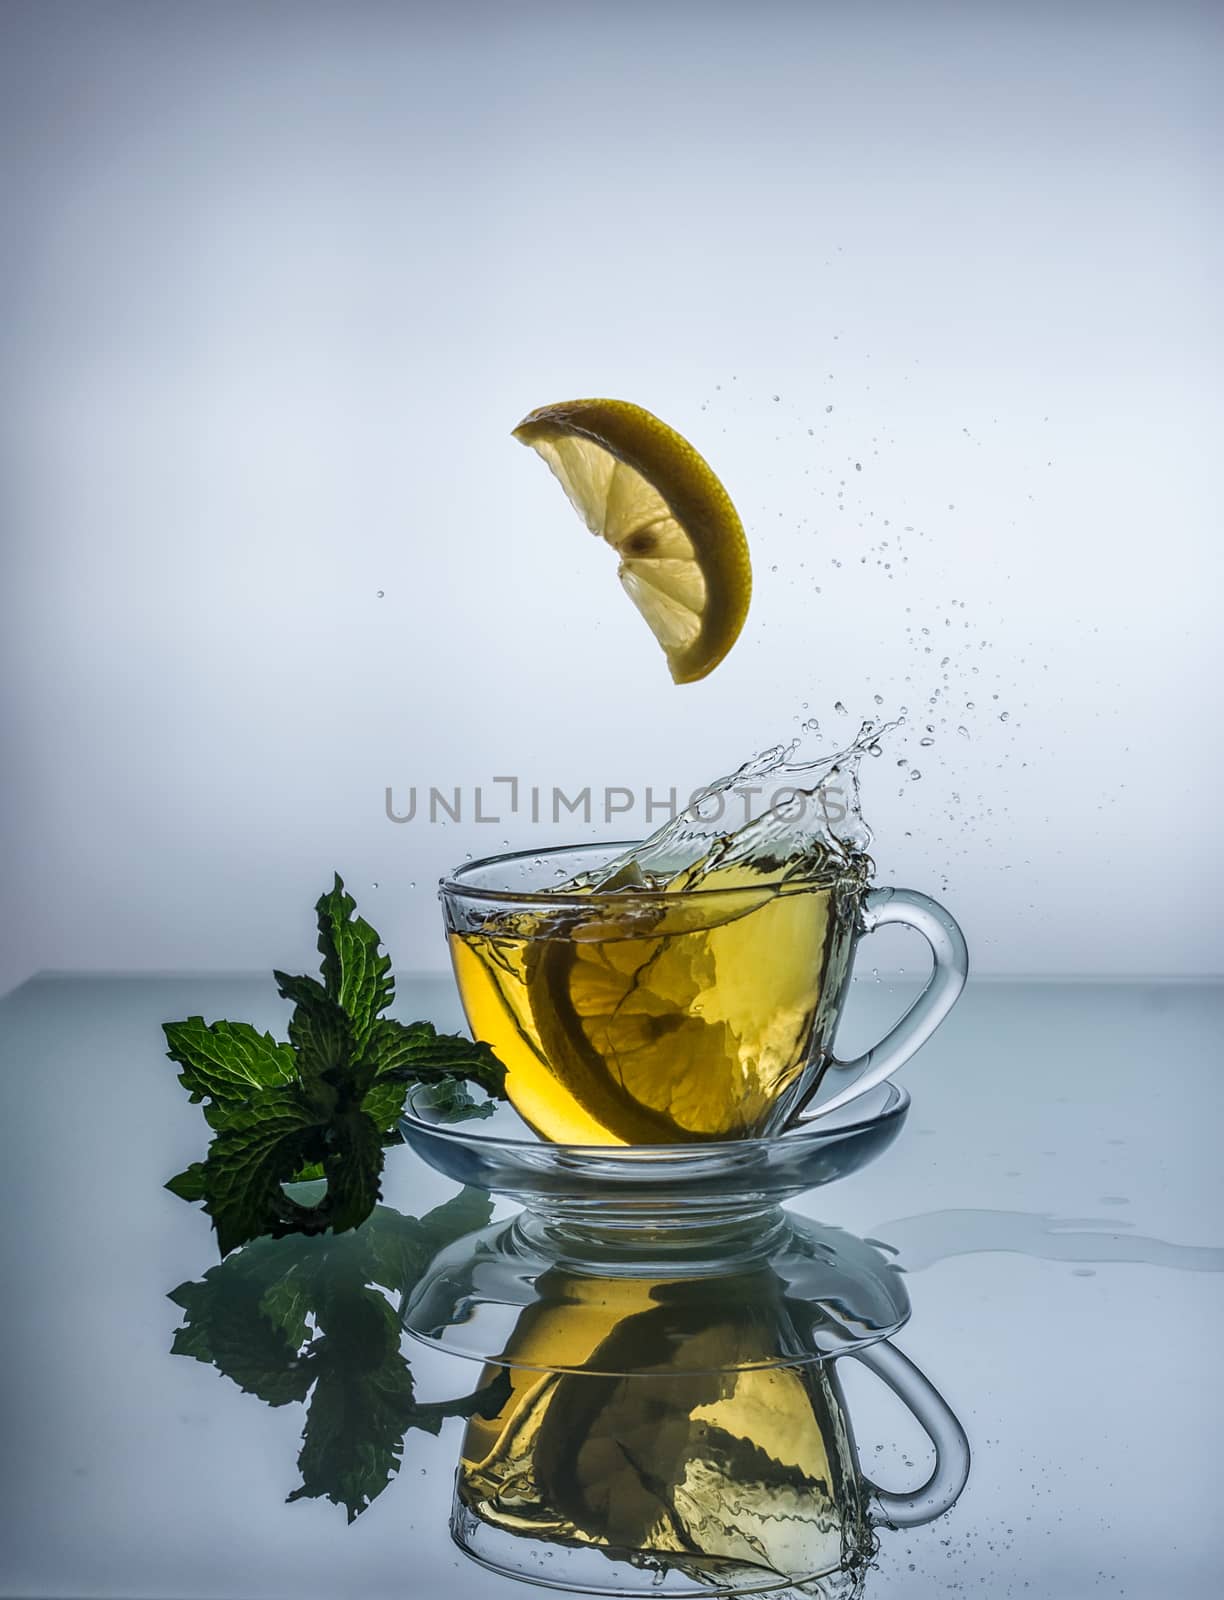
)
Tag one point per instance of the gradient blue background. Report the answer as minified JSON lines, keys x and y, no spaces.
{"x":279,"y":278}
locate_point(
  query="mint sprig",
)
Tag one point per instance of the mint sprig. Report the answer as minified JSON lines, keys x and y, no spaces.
{"x":324,"y":1104}
{"x":314,"y":1321}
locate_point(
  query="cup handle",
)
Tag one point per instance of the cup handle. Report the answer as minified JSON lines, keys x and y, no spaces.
{"x":933,"y":1414}
{"x":938,"y":927}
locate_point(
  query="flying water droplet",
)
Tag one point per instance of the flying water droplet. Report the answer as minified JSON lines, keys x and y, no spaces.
{"x":839,"y":708}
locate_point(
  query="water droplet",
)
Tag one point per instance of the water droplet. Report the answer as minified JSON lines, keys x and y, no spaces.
{"x":914,"y":774}
{"x":926,"y":743}
{"x":875,"y":750}
{"x":828,"y":408}
{"x":878,"y":698}
{"x":374,"y":884}
{"x":839,"y":708}
{"x":381,"y":593}
{"x":963,"y":731}
{"x":969,"y":706}
{"x":903,"y":761}
{"x":1004,"y":715}
{"x":777,"y":397}
{"x":412,"y":885}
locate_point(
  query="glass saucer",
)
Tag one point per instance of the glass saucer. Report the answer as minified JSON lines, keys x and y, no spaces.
{"x":681,"y":1231}
{"x":666,"y":1188}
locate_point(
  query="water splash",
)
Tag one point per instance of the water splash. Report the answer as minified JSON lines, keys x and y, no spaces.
{"x":813,"y":825}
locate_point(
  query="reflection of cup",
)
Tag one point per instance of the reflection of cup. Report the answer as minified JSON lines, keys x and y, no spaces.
{"x":640,"y":1016}
{"x":685,"y":1453}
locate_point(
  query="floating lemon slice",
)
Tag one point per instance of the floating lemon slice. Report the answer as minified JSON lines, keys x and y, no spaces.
{"x":641,"y":487}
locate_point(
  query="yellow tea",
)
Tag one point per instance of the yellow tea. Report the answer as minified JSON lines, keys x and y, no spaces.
{"x":663,"y":1017}
{"x":744,"y":1474}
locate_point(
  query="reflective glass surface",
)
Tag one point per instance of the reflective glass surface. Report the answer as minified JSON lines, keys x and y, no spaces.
{"x":1054,"y":1201}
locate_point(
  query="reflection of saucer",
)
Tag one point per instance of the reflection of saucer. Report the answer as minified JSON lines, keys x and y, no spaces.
{"x":513,"y":1295}
{"x":667,"y":1187}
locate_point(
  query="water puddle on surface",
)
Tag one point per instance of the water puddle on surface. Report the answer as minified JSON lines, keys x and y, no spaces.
{"x":921,"y":1241}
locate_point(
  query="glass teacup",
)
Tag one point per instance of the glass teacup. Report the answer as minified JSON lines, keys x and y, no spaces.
{"x":676,"y":1455}
{"x":634,"y":1015}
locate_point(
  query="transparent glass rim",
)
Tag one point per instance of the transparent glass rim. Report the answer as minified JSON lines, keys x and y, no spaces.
{"x":454,"y":887}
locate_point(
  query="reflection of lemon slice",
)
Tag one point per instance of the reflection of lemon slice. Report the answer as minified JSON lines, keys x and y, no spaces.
{"x":689,"y":1460}
{"x":645,"y":490}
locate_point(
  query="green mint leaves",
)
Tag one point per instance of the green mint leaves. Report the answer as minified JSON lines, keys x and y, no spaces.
{"x":314,"y":1321}
{"x":324,"y":1104}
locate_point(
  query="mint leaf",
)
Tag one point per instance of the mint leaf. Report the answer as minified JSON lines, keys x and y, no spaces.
{"x":353,"y":1168}
{"x":191,"y":1184}
{"x":226,"y":1060}
{"x":226,"y":1328}
{"x":399,"y":1248}
{"x":362,"y":1405}
{"x":355,"y":975}
{"x":296,"y":1319}
{"x":320,"y":1034}
{"x":383,"y":1102}
{"x":450,"y":1100}
{"x":415,"y":1052}
{"x":259,"y":1147}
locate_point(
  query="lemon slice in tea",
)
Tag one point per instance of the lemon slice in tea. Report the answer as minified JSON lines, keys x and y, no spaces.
{"x":645,"y":491}
{"x":683,"y":1027}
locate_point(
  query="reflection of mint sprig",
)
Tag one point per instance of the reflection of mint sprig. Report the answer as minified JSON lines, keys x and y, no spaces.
{"x":290,"y":1318}
{"x":324,"y":1104}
